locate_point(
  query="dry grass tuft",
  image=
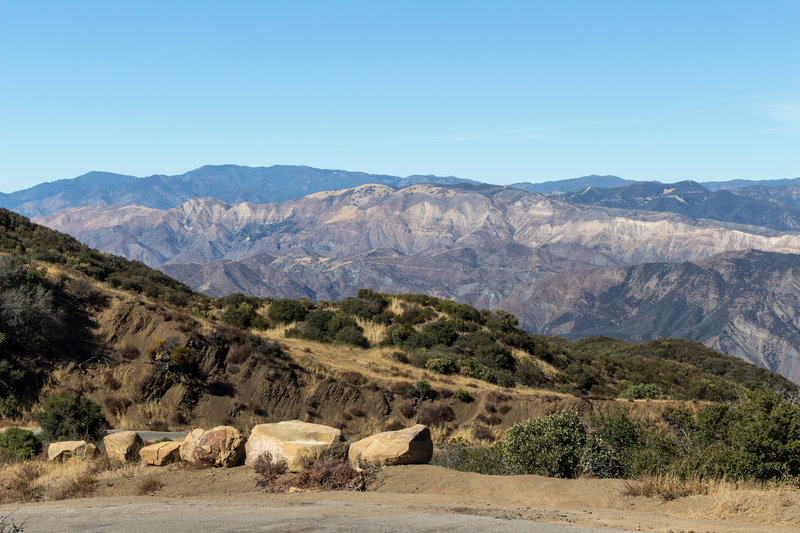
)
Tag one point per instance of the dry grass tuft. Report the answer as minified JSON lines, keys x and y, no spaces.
{"x":396,"y":306}
{"x":670,"y":487}
{"x":17,"y":482}
{"x":149,"y":485}
{"x":80,"y":486}
{"x":373,"y":331}
{"x":278,"y":332}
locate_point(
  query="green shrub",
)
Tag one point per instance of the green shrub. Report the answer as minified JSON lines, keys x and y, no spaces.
{"x":424,"y":390}
{"x":182,"y":360}
{"x":67,"y":415}
{"x":458,"y":454}
{"x":550,"y":447}
{"x":643,"y":391}
{"x":352,"y":335}
{"x":283,"y":311}
{"x":464,"y":396}
{"x":21,"y":443}
{"x":441,"y":365}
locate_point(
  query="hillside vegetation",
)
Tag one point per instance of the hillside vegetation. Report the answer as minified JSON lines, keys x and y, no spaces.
{"x":136,"y":349}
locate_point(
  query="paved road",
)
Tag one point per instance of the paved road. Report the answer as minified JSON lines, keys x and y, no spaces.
{"x":307,"y":517}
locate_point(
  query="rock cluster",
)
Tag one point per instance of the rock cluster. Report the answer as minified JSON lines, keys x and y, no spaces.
{"x":296,"y":442}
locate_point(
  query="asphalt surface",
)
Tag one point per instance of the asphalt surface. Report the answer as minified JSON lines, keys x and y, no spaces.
{"x":307,"y":517}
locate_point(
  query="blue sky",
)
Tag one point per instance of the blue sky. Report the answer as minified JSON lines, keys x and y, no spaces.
{"x":494,"y":91}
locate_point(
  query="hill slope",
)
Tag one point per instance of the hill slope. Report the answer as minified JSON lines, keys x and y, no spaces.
{"x":149,"y":362}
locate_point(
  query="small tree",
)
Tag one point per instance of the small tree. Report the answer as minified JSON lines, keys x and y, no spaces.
{"x":550,"y":447}
{"x":67,"y":415}
{"x":21,"y":443}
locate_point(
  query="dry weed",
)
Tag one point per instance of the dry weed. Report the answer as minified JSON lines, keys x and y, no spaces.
{"x":396,"y":306}
{"x":373,"y":331}
{"x":278,"y":332}
{"x":669,"y":487}
{"x":149,"y":485}
{"x":80,"y":486}
{"x":18,"y":482}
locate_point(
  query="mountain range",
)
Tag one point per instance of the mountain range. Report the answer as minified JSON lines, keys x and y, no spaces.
{"x":597,"y":255}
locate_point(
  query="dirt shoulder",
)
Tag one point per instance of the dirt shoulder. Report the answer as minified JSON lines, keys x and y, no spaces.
{"x":434,"y":490}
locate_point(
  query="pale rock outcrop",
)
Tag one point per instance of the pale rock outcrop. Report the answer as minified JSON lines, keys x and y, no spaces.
{"x":123,"y":446}
{"x":403,"y":447}
{"x":80,"y":449}
{"x":220,"y":446}
{"x":295,"y":441}
{"x":161,"y":453}
{"x":190,"y":443}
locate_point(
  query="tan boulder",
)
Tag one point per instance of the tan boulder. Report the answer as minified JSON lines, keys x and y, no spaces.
{"x":295,"y":441}
{"x":220,"y":446}
{"x":80,"y":449}
{"x":161,"y":453}
{"x":190,"y":443}
{"x":403,"y":447}
{"x":123,"y":446}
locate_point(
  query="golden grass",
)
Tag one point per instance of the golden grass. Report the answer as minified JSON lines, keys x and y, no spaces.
{"x":373,"y":331}
{"x":670,"y":487}
{"x":278,"y":332}
{"x":396,"y":306}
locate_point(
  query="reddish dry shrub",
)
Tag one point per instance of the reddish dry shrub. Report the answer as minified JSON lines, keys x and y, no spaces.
{"x":358,"y":412}
{"x":149,"y":485}
{"x":130,"y":352}
{"x":482,"y":432}
{"x":116,"y":404}
{"x":268,"y":470}
{"x":437,"y":414}
{"x":404,"y":389}
{"x":238,"y":353}
{"x":353,"y":378}
{"x":110,"y":381}
{"x":497,"y":397}
{"x":393,"y":425}
{"x":327,"y":475}
{"x":446,"y":393}
{"x":490,"y":408}
{"x":492,"y":419}
{"x":503,"y":409}
{"x":407,"y":410}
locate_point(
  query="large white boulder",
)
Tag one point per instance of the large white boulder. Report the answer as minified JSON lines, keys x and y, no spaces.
{"x":295,"y":441}
{"x":403,"y":447}
{"x":123,"y":446}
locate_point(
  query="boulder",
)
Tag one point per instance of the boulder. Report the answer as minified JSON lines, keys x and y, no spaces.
{"x":403,"y":447}
{"x":190,"y":443}
{"x":295,"y":441}
{"x":161,"y":453}
{"x":79,"y":449}
{"x":123,"y":446}
{"x":220,"y":446}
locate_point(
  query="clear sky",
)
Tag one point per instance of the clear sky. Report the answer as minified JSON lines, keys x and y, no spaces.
{"x":494,"y":91}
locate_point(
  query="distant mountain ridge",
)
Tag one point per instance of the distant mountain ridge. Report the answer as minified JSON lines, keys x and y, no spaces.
{"x":228,"y":183}
{"x":277,"y":183}
{"x":692,"y":199}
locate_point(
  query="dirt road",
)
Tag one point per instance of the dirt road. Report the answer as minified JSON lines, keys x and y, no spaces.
{"x":306,"y":516}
